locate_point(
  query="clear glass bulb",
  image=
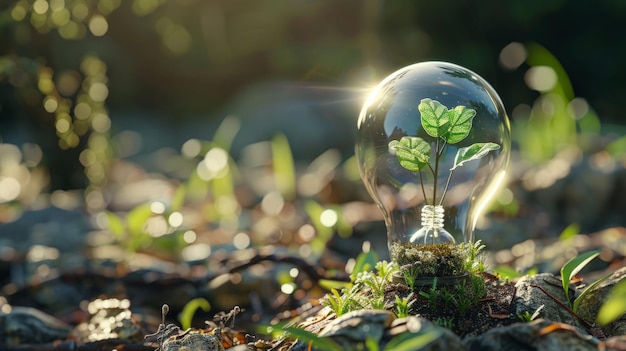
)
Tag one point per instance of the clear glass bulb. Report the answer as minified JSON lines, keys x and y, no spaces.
{"x":433,"y":142}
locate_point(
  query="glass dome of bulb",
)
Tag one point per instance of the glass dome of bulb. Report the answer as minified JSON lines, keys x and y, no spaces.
{"x":391,"y":128}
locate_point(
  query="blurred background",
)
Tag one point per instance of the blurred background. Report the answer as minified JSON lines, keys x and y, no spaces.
{"x":185,"y":130}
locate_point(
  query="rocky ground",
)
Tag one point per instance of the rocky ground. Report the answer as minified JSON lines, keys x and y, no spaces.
{"x":68,"y":284}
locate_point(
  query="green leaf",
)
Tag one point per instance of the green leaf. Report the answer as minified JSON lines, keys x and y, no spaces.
{"x":137,"y":218}
{"x":460,"y":124}
{"x":329,"y":284}
{"x":365,"y":261}
{"x":284,"y":167}
{"x":412,"y":341}
{"x":571,"y":231}
{"x":178,"y":200}
{"x":307,"y":337}
{"x":573,"y":266}
{"x":186,"y":315}
{"x":115,"y":225}
{"x":615,"y":306}
{"x":435,"y":117}
{"x":473,"y":152}
{"x":587,"y":290}
{"x":413,"y":152}
{"x":507,"y":272}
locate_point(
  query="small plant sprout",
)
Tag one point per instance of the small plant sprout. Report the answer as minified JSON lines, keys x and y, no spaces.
{"x":431,"y":295}
{"x":186,"y":315}
{"x":573,"y":267}
{"x":527,"y":317}
{"x":403,"y":305}
{"x":447,"y":126}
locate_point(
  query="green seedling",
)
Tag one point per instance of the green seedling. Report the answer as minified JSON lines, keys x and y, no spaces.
{"x":312,"y":339}
{"x":410,"y":273}
{"x":403,"y":305}
{"x":569,"y":232}
{"x":527,"y":317}
{"x":342,"y":302}
{"x":411,"y":341}
{"x":573,"y":267}
{"x":432,"y":295}
{"x":463,"y":300}
{"x":447,"y":126}
{"x":186,"y":315}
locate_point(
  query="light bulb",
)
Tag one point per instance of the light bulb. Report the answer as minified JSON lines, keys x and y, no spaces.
{"x":433,"y":142}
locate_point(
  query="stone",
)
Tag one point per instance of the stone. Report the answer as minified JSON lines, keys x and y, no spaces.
{"x":591,"y":303}
{"x":358,"y":326}
{"x":20,"y":325}
{"x":539,"y":335}
{"x":193,"y":341}
{"x":532,"y":293}
{"x":416,"y":330}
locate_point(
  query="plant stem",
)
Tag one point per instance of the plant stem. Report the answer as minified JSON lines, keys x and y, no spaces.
{"x":438,"y":153}
{"x":436,"y":172}
{"x":442,"y":148}
{"x":422,"y":184}
{"x":445,"y":189}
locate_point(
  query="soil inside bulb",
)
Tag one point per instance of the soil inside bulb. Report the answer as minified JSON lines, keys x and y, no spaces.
{"x":431,"y":260}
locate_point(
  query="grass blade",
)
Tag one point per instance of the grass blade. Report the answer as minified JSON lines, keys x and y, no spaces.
{"x":573,"y":266}
{"x":587,"y":290}
{"x":318,"y":342}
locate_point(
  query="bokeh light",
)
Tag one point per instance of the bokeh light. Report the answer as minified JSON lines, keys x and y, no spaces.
{"x":98,"y":25}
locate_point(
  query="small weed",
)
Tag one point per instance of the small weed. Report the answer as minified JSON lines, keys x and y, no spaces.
{"x":447,"y":297}
{"x":527,"y":317}
{"x":475,"y":261}
{"x":409,"y":272}
{"x":341,"y":303}
{"x":432,"y":295}
{"x":463,"y":300}
{"x":403,"y":305}
{"x":479,"y":290}
{"x":367,"y":289}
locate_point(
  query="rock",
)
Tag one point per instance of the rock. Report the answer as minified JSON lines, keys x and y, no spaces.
{"x":531,"y":294}
{"x":354,"y":330}
{"x":590,"y":305}
{"x":421,"y":334}
{"x":358,"y":326}
{"x":540,"y":335}
{"x":193,"y":341}
{"x":20,"y":325}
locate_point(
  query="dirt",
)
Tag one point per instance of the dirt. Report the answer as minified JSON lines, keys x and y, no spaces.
{"x":492,"y":311}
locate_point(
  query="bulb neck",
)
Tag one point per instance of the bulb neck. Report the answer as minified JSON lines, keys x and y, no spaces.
{"x":432,"y":231}
{"x":432,"y":216}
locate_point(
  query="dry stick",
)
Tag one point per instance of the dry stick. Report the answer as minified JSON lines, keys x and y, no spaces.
{"x":303,"y":265}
